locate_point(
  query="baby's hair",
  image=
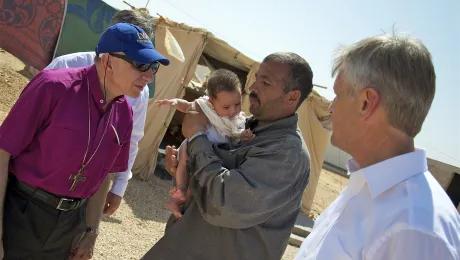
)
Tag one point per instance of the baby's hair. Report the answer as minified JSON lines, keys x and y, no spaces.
{"x":222,"y":80}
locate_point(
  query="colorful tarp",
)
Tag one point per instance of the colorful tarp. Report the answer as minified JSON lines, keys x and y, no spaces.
{"x":29,"y":29}
{"x":84,"y":23}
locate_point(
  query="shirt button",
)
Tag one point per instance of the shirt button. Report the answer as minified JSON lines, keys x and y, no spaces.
{"x":102,"y":101}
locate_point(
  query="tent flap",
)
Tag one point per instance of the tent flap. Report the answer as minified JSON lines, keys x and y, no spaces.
{"x":171,"y":82}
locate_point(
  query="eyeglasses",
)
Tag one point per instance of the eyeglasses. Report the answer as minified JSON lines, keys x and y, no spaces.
{"x":140,"y":66}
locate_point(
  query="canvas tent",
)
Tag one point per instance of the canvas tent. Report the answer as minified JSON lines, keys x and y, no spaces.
{"x":200,"y":46}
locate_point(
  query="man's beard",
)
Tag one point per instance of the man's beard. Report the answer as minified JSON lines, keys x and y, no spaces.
{"x":269,"y":110}
{"x":254,"y":98}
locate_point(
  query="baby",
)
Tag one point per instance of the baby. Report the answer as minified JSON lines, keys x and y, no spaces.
{"x":226,"y":123}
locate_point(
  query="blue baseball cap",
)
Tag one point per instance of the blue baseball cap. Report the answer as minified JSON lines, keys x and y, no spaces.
{"x":131,"y":40}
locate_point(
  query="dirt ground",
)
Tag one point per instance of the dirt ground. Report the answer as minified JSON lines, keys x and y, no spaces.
{"x":142,"y":216}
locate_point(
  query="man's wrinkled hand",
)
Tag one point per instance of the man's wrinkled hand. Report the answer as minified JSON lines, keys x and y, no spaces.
{"x":194,"y":122}
{"x":112,"y":203}
{"x":171,"y":160}
{"x":85,"y":248}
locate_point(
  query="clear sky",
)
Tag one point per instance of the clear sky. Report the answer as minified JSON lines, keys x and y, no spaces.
{"x":314,"y":29}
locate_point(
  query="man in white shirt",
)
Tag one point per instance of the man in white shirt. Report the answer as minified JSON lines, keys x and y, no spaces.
{"x":138,"y":104}
{"x":392,"y":208}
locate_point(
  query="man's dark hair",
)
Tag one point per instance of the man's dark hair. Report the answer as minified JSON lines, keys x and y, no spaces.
{"x":300,"y":76}
{"x":222,"y":80}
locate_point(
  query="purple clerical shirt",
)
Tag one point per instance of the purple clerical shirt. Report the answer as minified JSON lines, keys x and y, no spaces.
{"x":46,"y":132}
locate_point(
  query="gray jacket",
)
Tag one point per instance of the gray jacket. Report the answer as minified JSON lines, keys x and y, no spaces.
{"x":244,"y":201}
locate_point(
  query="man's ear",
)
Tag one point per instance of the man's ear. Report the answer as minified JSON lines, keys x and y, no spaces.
{"x":293,"y":97}
{"x":106,"y":62}
{"x":369,"y":101}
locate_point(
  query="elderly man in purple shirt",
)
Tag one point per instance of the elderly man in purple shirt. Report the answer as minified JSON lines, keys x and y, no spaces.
{"x":67,"y":131}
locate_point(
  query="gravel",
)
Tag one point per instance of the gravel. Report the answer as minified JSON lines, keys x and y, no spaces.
{"x":140,"y":222}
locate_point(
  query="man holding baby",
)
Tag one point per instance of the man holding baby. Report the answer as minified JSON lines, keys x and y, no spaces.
{"x":245,"y":198}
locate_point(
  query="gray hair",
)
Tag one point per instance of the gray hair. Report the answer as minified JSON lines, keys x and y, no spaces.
{"x":300,"y":76}
{"x":400,"y":69}
{"x":136,"y":18}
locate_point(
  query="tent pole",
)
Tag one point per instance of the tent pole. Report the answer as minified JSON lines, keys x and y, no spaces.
{"x":319,"y":86}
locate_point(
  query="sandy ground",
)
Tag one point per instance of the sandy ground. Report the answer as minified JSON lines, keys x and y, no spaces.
{"x":141,"y":218}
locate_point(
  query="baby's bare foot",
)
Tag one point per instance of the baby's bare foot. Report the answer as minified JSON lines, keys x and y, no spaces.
{"x":174,"y":208}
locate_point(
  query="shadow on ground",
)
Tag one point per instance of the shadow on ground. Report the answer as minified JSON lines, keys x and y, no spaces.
{"x":147,"y":199}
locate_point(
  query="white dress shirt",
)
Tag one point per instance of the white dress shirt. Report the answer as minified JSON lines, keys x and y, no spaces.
{"x":139,"y":105}
{"x":394,"y":209}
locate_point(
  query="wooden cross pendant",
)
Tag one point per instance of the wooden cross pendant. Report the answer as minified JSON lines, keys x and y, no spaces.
{"x":77,"y":178}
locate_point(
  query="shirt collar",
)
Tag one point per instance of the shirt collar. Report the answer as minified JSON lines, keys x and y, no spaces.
{"x":96,"y":89}
{"x":384,"y":175}
{"x":288,"y":122}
